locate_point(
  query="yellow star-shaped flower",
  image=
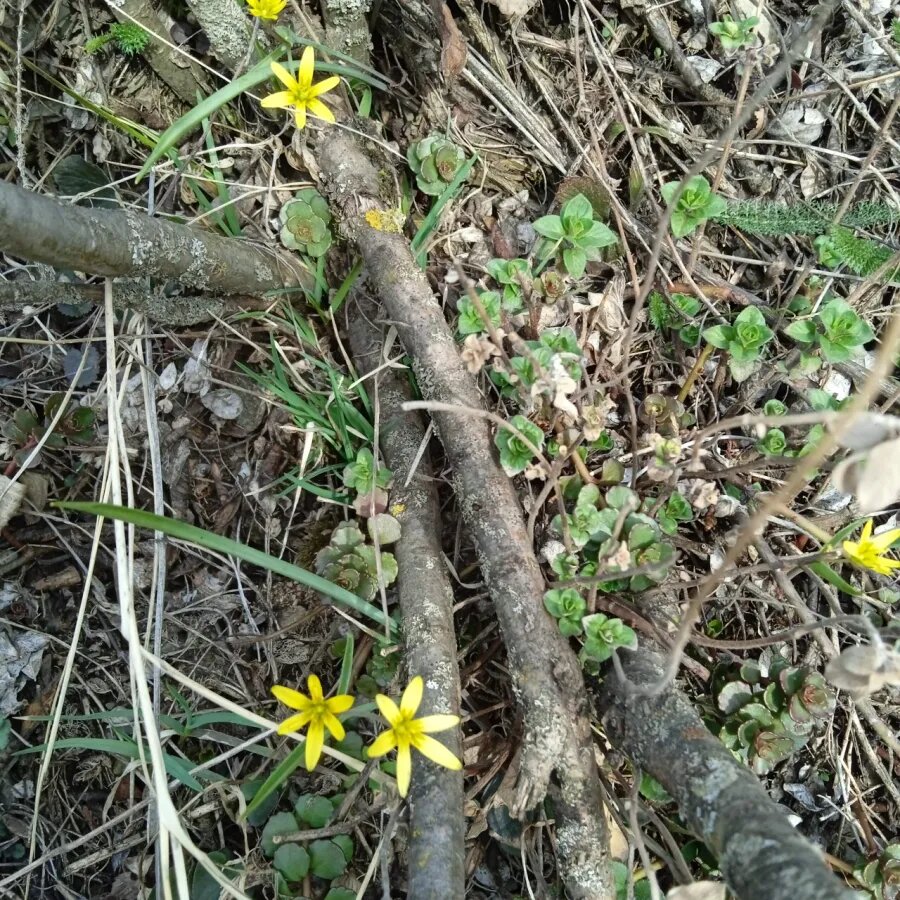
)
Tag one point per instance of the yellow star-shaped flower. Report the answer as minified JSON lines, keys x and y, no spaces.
{"x":301,"y":93}
{"x":316,"y":712}
{"x":869,"y":552}
{"x":265,"y":9}
{"x":407,"y":731}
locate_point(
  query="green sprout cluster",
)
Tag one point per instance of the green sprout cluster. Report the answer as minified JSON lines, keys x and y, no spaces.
{"x":675,"y":315}
{"x":306,"y":223}
{"x":836,"y":331}
{"x":434,"y":160}
{"x":881,"y":876}
{"x":734,"y":34}
{"x":770,"y":716}
{"x":608,"y":533}
{"x":744,"y":341}
{"x":574,"y":236}
{"x":352,"y":563}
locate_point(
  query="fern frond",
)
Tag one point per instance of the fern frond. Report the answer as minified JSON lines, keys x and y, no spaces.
{"x":658,"y":311}
{"x":861,"y":255}
{"x":781,"y":219}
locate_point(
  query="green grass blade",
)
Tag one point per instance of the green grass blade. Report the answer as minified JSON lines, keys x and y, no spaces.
{"x":826,"y":573}
{"x":340,"y":295}
{"x":429,"y":223}
{"x":175,"y":767}
{"x":347,"y":664}
{"x":279,"y":775}
{"x":183,"y":531}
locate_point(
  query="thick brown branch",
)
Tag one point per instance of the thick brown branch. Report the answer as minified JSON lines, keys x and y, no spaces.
{"x":761,"y":855}
{"x":129,"y":244}
{"x":437,"y":822}
{"x":546,"y":676}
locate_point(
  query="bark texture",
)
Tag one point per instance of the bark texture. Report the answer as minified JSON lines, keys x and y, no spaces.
{"x":760,"y":854}
{"x":436,"y":850}
{"x":225,"y":23}
{"x":546,"y":676}
{"x":129,"y":244}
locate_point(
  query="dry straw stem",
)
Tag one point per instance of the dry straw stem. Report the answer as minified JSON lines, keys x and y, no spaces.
{"x":759,"y":852}
{"x":436,"y":850}
{"x":130,"y":244}
{"x":546,"y":676}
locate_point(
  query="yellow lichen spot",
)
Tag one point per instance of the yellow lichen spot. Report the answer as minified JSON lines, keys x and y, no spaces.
{"x":389,"y":220}
{"x":397,"y":509}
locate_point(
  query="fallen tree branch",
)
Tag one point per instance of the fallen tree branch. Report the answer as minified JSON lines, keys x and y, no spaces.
{"x":762,"y":857}
{"x":436,"y":852}
{"x":124,"y":243}
{"x":176,"y":310}
{"x":546,"y":676}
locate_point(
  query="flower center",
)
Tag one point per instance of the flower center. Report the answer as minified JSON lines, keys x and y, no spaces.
{"x":300,"y":95}
{"x":406,"y":728}
{"x":318,"y":710}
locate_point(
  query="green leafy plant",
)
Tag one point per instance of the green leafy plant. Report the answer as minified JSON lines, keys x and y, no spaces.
{"x":515,"y":456}
{"x":773,"y":443}
{"x":744,"y":341}
{"x":26,"y":428}
{"x":675,"y":511}
{"x":516,"y":278}
{"x":837,"y":330}
{"x":734,"y":35}
{"x":861,"y":255}
{"x":127,"y":37}
{"x":770,"y":716}
{"x":434,"y":161}
{"x":602,"y":637}
{"x":306,"y":223}
{"x":350,"y":562}
{"x":674,"y":314}
{"x":611,"y":534}
{"x":881,"y":876}
{"x":557,"y":349}
{"x":694,"y":205}
{"x":574,"y":235}
{"x":370,"y":482}
{"x":568,"y":607}
{"x":470,"y":321}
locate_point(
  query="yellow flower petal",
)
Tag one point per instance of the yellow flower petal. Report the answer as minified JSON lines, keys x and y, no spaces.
{"x":436,"y":752}
{"x":883,"y":542}
{"x":404,"y":770}
{"x":282,"y":74}
{"x":300,"y":117}
{"x":388,"y":708}
{"x":384,"y":743}
{"x":441,"y":722}
{"x":290,"y":697}
{"x":867,"y":531}
{"x":315,"y":688}
{"x":307,"y":65}
{"x":334,"y":726}
{"x":320,"y":110}
{"x":339,"y":704}
{"x":412,"y":696}
{"x":884,"y":566}
{"x":325,"y":85}
{"x":294,"y":723}
{"x":315,"y":738}
{"x":278,"y":100}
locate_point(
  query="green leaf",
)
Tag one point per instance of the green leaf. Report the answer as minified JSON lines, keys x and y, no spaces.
{"x":826,"y":573}
{"x":430,"y":222}
{"x":803,"y":331}
{"x":279,"y":824}
{"x":175,"y":528}
{"x":550,"y":227}
{"x":597,"y":237}
{"x":345,"y":842}
{"x":292,"y":861}
{"x":575,"y":261}
{"x":314,"y":811}
{"x":579,"y":207}
{"x":327,"y":859}
{"x":719,"y":336}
